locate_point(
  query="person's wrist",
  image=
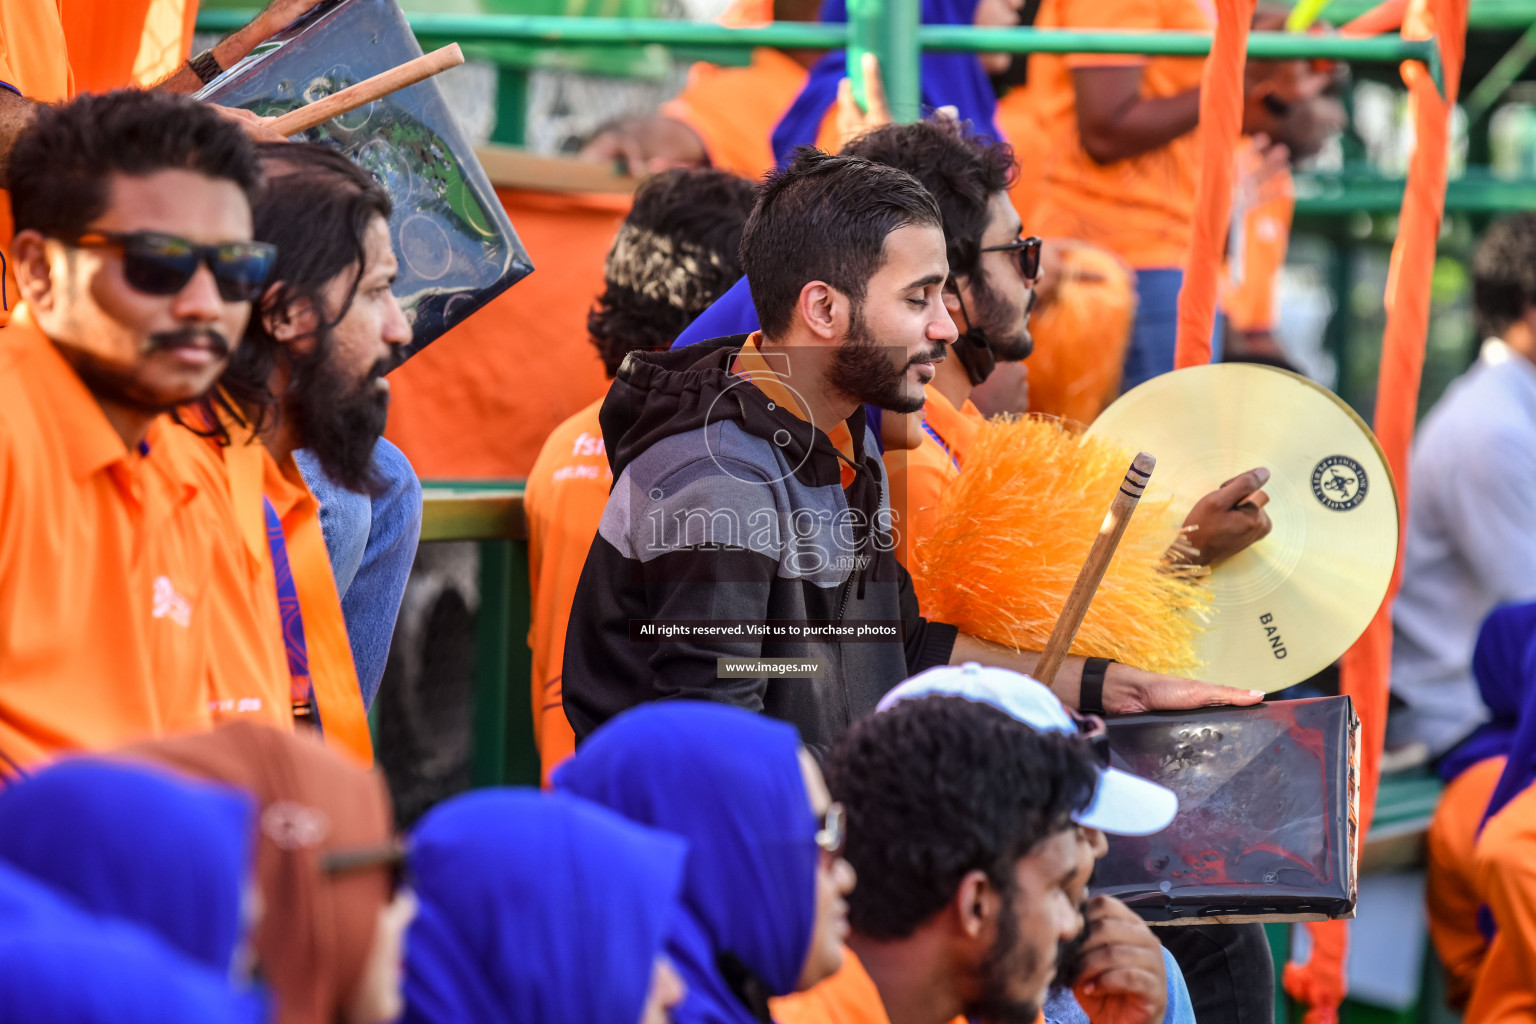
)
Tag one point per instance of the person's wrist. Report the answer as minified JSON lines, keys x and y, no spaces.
{"x":234,"y":47}
{"x":1122,"y":688}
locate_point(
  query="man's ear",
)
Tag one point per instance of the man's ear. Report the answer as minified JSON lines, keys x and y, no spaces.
{"x":824,"y":310}
{"x":295,"y":325}
{"x":29,"y":262}
{"x":975,"y":905}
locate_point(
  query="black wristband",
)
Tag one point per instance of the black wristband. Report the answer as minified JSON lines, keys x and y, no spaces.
{"x":1090,"y":696}
{"x":205,"y":66}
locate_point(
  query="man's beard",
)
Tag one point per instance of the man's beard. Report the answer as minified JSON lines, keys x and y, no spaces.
{"x":339,"y":420}
{"x":1008,"y":959}
{"x":862,"y":370}
{"x":1069,"y":956}
{"x":118,"y":385}
{"x":1012,"y":343}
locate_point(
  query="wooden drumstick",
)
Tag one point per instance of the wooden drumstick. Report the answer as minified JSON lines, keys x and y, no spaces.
{"x":1065,"y":631}
{"x":312,"y":115}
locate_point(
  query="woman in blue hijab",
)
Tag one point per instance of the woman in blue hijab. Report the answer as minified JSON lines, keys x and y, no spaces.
{"x":540,"y":909}
{"x":763,"y":912}
{"x":172,"y":856}
{"x":111,"y":974}
{"x":1496,"y":665}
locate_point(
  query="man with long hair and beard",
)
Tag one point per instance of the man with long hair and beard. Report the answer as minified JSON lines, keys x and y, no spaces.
{"x":975,"y":809}
{"x":302,"y":409}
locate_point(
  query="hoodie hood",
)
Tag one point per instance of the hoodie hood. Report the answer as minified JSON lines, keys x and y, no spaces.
{"x":658,"y":394}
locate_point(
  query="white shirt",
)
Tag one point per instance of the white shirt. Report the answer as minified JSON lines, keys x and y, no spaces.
{"x":1471,"y":542}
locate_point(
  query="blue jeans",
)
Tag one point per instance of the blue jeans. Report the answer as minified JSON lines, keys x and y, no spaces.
{"x":372,"y":544}
{"x":1156,"y":328}
{"x":1062,"y":1008}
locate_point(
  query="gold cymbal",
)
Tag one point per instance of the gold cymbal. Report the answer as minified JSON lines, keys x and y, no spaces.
{"x":1291,"y":604}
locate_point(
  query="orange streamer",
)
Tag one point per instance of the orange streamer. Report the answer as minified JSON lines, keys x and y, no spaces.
{"x":1221,"y":125}
{"x":1320,"y":983}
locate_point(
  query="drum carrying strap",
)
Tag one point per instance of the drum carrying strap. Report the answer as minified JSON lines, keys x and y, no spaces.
{"x":301,"y":689}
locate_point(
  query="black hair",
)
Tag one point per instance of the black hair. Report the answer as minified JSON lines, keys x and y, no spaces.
{"x":677,"y":252}
{"x":59,"y":169}
{"x":825,"y":218}
{"x":1504,"y":273}
{"x":938,"y":787}
{"x":961,"y":170}
{"x":315,"y":207}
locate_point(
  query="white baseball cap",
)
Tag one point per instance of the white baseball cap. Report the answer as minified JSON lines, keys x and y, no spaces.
{"x":1123,"y":804}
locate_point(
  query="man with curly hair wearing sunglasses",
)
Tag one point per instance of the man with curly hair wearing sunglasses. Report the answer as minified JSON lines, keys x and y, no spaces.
{"x":135,"y":258}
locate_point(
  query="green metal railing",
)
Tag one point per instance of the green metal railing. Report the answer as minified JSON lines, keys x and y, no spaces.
{"x":889,"y":28}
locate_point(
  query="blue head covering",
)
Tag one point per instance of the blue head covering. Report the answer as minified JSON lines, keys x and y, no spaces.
{"x":132,"y":843}
{"x":1497,"y":666}
{"x":110,"y":973}
{"x":730,"y":783}
{"x":949,"y":79}
{"x":536,"y":909}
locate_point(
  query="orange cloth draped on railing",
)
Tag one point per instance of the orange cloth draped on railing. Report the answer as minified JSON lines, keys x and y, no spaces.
{"x":1320,"y":983}
{"x":1221,"y":126}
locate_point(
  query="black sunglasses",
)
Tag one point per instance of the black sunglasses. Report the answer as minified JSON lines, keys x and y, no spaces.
{"x":157,"y":264}
{"x":390,"y":856}
{"x":1028,"y":251}
{"x":1093,"y":729}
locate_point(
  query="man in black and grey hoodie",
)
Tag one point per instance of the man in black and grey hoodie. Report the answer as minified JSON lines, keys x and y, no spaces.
{"x":750,"y":513}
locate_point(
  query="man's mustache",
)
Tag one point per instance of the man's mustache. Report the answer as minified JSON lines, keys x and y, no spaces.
{"x":933,"y":355}
{"x":189,"y":337}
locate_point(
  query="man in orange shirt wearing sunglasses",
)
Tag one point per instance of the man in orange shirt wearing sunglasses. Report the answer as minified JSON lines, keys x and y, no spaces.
{"x":137,"y":270}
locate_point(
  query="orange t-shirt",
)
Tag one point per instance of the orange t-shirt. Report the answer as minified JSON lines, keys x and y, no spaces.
{"x":479,"y":401}
{"x":567,"y":492}
{"x":104,"y":567}
{"x":919,"y":476}
{"x":848,"y":997}
{"x":734,"y":110}
{"x":1261,"y":233}
{"x":1505,"y":869}
{"x":1139,"y":208}
{"x":1451,"y":890}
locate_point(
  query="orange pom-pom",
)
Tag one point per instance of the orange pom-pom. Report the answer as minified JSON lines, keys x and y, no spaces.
{"x":1014,"y":529}
{"x":1081,"y":337}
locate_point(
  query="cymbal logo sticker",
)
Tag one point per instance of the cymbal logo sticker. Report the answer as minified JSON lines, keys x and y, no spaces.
{"x":1339,"y":483}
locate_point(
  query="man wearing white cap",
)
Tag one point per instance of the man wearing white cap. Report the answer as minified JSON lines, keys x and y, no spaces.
{"x":974,"y":833}
{"x":1228,"y":968}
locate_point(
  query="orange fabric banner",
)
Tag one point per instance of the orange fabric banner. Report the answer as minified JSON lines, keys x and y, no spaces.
{"x":1320,"y":983}
{"x":1221,"y":127}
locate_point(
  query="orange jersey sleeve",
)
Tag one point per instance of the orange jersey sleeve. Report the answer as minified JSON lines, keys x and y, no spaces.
{"x":105,"y":568}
